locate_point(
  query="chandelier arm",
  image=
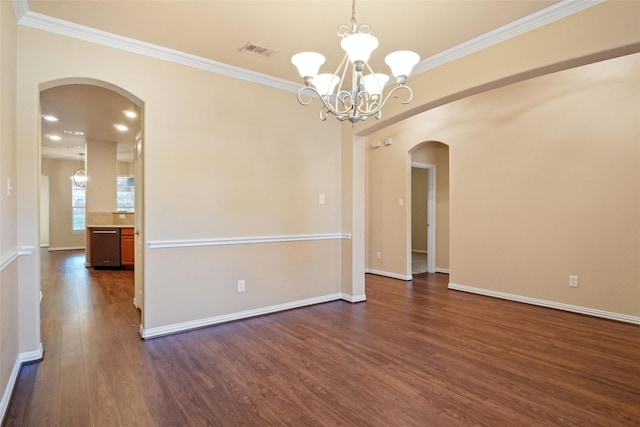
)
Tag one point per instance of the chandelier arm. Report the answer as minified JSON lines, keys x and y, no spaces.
{"x":303,"y":89}
{"x":394,"y":90}
{"x":326,"y":105}
{"x":344,"y":66}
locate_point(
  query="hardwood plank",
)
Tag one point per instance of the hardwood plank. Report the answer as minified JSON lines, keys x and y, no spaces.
{"x":415,"y":354}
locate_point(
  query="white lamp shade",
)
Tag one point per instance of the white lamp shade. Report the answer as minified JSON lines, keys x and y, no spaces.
{"x":308,"y":63}
{"x":402,"y":62}
{"x":359,"y":46}
{"x":374,"y":83}
{"x":326,"y":83}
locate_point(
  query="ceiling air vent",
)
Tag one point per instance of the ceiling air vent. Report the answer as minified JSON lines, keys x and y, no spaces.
{"x":254,"y":49}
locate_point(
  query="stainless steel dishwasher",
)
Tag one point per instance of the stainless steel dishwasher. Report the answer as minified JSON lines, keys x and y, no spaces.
{"x":105,"y":247}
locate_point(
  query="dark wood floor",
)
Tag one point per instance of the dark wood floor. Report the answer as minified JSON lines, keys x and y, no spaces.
{"x":415,"y":354}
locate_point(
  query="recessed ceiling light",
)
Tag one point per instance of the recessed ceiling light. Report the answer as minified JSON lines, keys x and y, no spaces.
{"x":54,"y":137}
{"x":50,"y":118}
{"x":131,"y":114}
{"x":74,"y":132}
{"x":121,"y":128}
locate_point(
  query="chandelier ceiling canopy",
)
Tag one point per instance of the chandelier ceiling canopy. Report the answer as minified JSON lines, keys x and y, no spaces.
{"x":365,"y":96}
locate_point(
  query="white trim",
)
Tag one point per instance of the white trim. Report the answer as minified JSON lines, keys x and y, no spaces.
{"x":245,"y":240}
{"x":353,"y":298}
{"x":442,"y":270}
{"x":9,"y":258}
{"x":389,"y":274}
{"x":29,"y":356}
{"x":530,"y":22}
{"x":66,"y":248}
{"x":527,"y":23}
{"x":548,"y":304}
{"x":13,"y":255}
{"x":194,"y":324}
{"x":92,"y":35}
{"x":26,"y":250}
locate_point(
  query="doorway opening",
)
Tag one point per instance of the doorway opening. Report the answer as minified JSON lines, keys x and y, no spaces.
{"x":90,"y":119}
{"x":423,"y":217}
{"x":428,"y":225}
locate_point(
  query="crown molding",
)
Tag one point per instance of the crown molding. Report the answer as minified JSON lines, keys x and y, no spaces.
{"x":530,"y":22}
{"x":82,"y":32}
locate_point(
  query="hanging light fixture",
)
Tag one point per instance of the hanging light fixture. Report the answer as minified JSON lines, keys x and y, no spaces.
{"x":365,"y":98}
{"x":79,"y":177}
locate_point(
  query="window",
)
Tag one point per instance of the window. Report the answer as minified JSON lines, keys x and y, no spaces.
{"x":78,"y":202}
{"x":126,"y":196}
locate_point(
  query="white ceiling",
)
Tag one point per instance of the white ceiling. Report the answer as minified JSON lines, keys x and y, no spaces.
{"x":217,"y":30}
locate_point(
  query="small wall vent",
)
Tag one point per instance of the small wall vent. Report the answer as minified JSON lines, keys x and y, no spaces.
{"x":257,"y":50}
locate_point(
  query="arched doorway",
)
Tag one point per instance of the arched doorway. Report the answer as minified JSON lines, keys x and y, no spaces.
{"x":102,"y":123}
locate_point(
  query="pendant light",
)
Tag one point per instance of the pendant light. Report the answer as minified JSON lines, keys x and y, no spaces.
{"x":79,"y":177}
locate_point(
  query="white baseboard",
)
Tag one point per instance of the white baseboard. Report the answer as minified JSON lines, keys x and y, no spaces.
{"x":548,"y":304}
{"x":442,"y":270}
{"x":29,"y":356}
{"x":389,"y":274}
{"x":194,"y":324}
{"x":353,"y":298}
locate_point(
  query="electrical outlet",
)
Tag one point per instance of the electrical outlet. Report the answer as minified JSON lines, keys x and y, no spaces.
{"x":240,"y":285}
{"x":378,"y":255}
{"x":573,"y":281}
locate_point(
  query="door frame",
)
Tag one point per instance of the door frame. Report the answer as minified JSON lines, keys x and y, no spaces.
{"x":431,"y":217}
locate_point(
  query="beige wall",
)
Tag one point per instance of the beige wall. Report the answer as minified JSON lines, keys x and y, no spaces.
{"x":606,"y":30}
{"x":61,"y":235}
{"x":545,"y":183}
{"x":126,"y":168}
{"x":9,"y":261}
{"x":245,"y":169}
{"x":102,"y":167}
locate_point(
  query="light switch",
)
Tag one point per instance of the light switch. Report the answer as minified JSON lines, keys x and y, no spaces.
{"x":400,"y":202}
{"x":321,"y":199}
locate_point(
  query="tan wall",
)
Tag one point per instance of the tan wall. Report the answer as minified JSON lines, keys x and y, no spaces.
{"x":102,"y":167}
{"x":61,"y":235}
{"x":126,"y":168}
{"x":545,"y":183}
{"x":245,"y":169}
{"x":9,"y":284}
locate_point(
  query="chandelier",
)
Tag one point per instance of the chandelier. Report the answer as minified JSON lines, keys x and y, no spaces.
{"x":365,"y":97}
{"x":79,"y":177}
